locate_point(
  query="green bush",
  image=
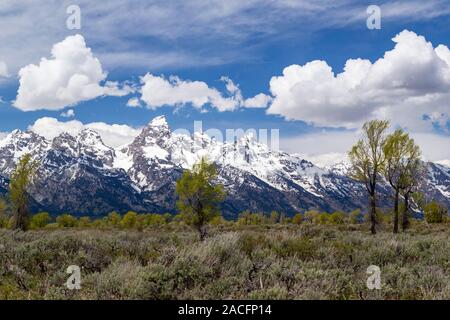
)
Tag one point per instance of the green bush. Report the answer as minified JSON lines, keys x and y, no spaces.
{"x":323,"y":218}
{"x":155,"y":220}
{"x":355,"y":216}
{"x":113,"y":219}
{"x":129,"y":220}
{"x":301,"y":248}
{"x":312,"y":216}
{"x":3,"y":217}
{"x":66,"y":221}
{"x":297,"y":219}
{"x":40,"y":220}
{"x":337,"y":217}
{"x":435,"y":212}
{"x":274,"y":217}
{"x":84,"y":222}
{"x":219,"y":220}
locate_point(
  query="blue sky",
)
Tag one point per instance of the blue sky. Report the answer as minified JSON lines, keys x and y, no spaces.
{"x":250,"y":44}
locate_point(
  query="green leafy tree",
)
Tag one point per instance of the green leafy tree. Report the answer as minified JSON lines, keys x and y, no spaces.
{"x":99,"y":223}
{"x":244,"y":218}
{"x":355,"y":216}
{"x":40,"y":220}
{"x":3,"y":218}
{"x":113,"y":219}
{"x":312,"y":216}
{"x":297,"y":219}
{"x":274,"y":217}
{"x":129,"y":220}
{"x":84,"y":222}
{"x":140,"y":222}
{"x":168,"y":217}
{"x":66,"y":221}
{"x":20,"y":181}
{"x":178,"y":218}
{"x":323,"y":218}
{"x":414,"y":175}
{"x":435,"y":212}
{"x":402,"y":160}
{"x":155,"y":219}
{"x":337,"y":217}
{"x":367,"y":160}
{"x":198,"y":196}
{"x":218,"y":220}
{"x":3,"y":207}
{"x":283,"y":219}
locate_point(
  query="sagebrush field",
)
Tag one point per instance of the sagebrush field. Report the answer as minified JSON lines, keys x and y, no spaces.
{"x":304,"y":261}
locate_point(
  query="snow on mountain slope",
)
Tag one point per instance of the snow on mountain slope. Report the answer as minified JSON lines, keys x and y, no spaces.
{"x":81,"y":174}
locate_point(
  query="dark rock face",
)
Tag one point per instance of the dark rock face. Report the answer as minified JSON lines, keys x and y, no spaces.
{"x":81,"y":175}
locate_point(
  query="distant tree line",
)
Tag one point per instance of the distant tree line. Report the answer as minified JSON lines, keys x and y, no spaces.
{"x":376,"y":158}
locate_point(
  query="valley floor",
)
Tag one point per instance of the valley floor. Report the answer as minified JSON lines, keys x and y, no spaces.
{"x":234,"y":262}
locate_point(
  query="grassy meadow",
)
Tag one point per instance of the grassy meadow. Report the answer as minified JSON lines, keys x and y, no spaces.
{"x":272,"y":261}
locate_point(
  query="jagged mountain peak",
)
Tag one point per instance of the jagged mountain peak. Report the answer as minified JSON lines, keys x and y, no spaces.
{"x":22,"y":135}
{"x":155,"y":133}
{"x":143,"y":174}
{"x":20,"y":142}
{"x":159,"y":121}
{"x":91,"y":137}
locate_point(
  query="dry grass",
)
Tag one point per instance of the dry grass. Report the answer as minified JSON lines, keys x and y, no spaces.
{"x":246,"y":262}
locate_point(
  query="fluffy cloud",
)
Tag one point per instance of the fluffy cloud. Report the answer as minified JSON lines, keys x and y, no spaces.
{"x":113,"y":135}
{"x":68,"y":114}
{"x":327,"y":147}
{"x":410,"y":82}
{"x":3,"y":135}
{"x":157,"y":91}
{"x":216,"y":32}
{"x":261,"y":100}
{"x":133,"y":103}
{"x":324,"y":142}
{"x":3,"y":69}
{"x":72,"y":75}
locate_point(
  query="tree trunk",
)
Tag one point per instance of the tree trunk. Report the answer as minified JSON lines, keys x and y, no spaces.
{"x":20,"y":219}
{"x":396,"y":210}
{"x":405,"y":220}
{"x":202,"y":232}
{"x":373,"y":213}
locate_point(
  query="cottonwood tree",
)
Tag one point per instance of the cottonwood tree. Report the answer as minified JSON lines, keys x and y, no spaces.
{"x":402,"y":157}
{"x":367,"y":161}
{"x":198,"y":196}
{"x":3,"y":219}
{"x":20,"y":181}
{"x":414,"y":175}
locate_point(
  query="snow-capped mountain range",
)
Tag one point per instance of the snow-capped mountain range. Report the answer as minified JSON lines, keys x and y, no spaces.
{"x":81,"y":175}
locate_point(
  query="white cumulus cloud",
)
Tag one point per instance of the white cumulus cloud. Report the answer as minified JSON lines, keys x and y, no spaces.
{"x":159,"y":91}
{"x":70,"y":76}
{"x":261,"y":100}
{"x":68,"y":114}
{"x":3,"y":135}
{"x":410,"y":81}
{"x":113,"y":135}
{"x":134,"y":103}
{"x":3,"y":69}
{"x":327,"y":147}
